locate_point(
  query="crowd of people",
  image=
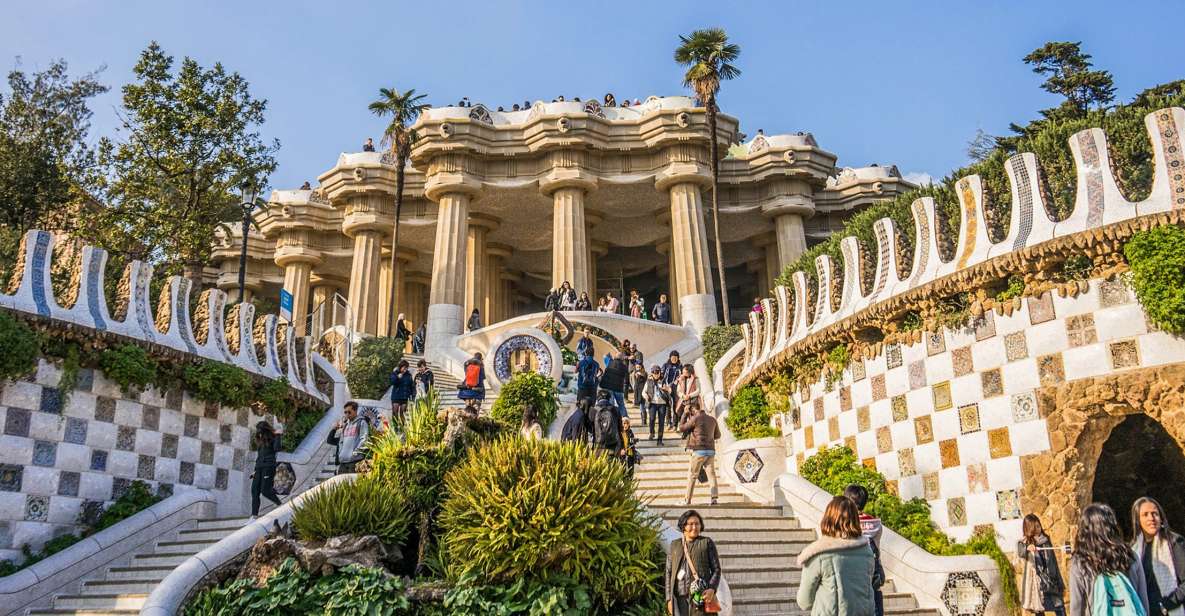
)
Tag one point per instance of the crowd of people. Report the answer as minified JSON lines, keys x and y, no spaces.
{"x":565,"y":298}
{"x":609,"y":100}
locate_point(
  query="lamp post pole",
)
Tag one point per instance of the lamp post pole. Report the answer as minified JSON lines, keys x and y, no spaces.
{"x":247,"y":205}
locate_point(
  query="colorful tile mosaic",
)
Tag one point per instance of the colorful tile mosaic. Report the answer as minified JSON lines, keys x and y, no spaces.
{"x":935,"y":343}
{"x":961,"y":361}
{"x":893,"y":356}
{"x":992,"y":382}
{"x":923,"y":429}
{"x":878,"y":387}
{"x":900,"y":408}
{"x":858,"y":369}
{"x":1008,"y":504}
{"x":845,"y":398}
{"x":1024,"y":407}
{"x":1050,"y":369}
{"x":1041,"y":308}
{"x":1015,"y":347}
{"x":917,"y":374}
{"x":884,"y":440}
{"x":1080,"y":330}
{"x":969,"y":418}
{"x":941,"y":394}
{"x":1124,"y":354}
{"x":930,"y":486}
{"x":905,"y":462}
{"x":833,"y":429}
{"x":999,"y":445}
{"x":1113,"y":293}
{"x":956,"y":511}
{"x":863,"y":419}
{"x":977,"y":477}
{"x":948,"y":452}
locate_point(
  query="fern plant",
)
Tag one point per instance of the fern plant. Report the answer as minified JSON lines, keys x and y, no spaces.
{"x":366,"y":506}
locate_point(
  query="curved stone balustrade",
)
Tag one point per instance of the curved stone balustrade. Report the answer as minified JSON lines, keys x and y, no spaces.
{"x":1098,"y":203}
{"x":172,"y":324}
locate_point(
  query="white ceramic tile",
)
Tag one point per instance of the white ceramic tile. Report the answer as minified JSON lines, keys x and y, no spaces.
{"x":995,"y":412}
{"x":981,"y":508}
{"x":973,"y":448}
{"x":1119,"y":322}
{"x":1029,"y":437}
{"x":1003,"y":473}
{"x":926,"y":458}
{"x":1086,"y":361}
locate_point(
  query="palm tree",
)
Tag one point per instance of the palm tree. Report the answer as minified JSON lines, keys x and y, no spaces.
{"x":398,"y":138}
{"x":708,"y":55}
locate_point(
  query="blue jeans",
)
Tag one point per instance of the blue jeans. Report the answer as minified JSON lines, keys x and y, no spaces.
{"x":656,"y":414}
{"x":619,"y":400}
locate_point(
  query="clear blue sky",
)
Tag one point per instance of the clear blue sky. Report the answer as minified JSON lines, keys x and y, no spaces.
{"x":887,"y":82}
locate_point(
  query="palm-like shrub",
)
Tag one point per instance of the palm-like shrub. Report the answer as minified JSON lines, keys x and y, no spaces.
{"x":369,"y":372}
{"x":543,"y":510}
{"x":525,"y":388}
{"x":365,"y":506}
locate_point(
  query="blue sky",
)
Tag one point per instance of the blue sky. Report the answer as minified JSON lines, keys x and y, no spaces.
{"x":906,"y":83}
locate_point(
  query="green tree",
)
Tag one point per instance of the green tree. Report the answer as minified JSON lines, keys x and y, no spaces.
{"x":399,"y":137}
{"x":1068,"y":72}
{"x":708,"y":56}
{"x":189,"y":139}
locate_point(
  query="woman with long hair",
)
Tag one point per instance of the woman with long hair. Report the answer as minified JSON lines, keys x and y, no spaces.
{"x":637,"y":304}
{"x":837,"y":567}
{"x":567,"y":296}
{"x":1161,"y":553}
{"x":267,"y":442}
{"x":1099,"y":551}
{"x":531,"y":429}
{"x":693,"y":568}
{"x":1041,"y":586}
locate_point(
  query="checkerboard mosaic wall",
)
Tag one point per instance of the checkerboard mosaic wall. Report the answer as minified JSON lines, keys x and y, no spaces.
{"x":949,"y":419}
{"x":62,"y":458}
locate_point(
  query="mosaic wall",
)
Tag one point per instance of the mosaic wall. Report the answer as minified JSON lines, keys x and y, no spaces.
{"x":950,"y":418}
{"x":65,"y":457}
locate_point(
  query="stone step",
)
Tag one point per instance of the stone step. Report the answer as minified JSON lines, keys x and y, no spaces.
{"x":129,"y":586}
{"x":739,"y":562}
{"x":651,"y":485}
{"x":698,"y":502}
{"x":139,"y":572}
{"x":159,"y":560}
{"x":757,"y":548}
{"x":737,"y":510}
{"x":83,"y":612}
{"x":795,"y":536}
{"x":130,"y":601}
{"x":762,"y":591}
{"x":767,"y":575}
{"x":717,"y":523}
{"x":231,"y":524}
{"x":185,"y":546}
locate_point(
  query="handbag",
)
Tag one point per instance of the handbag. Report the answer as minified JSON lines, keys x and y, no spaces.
{"x":698,"y":586}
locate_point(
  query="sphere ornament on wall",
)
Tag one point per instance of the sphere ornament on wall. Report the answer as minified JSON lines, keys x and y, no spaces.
{"x":446,"y":130}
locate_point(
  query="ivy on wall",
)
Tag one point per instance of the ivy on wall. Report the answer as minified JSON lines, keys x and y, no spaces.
{"x":1157,"y":261}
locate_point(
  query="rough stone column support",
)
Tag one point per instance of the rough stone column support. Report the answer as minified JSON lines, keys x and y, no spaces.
{"x":689,"y":247}
{"x":791,"y":238}
{"x":569,"y":243}
{"x":448,"y":271}
{"x":364,"y":281}
{"x":296,"y":282}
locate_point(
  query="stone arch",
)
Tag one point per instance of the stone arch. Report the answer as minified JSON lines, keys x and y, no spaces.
{"x":1080,"y":417}
{"x":1139,"y":458}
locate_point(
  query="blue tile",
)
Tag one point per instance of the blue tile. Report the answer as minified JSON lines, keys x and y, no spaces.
{"x":75,"y":431}
{"x":16,"y":422}
{"x":99,"y":460}
{"x":45,"y":453}
{"x":68,"y":483}
{"x":10,"y":477}
{"x":51,"y":400}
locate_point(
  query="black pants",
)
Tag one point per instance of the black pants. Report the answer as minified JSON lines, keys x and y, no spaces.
{"x":263,"y":484}
{"x":657,"y":417}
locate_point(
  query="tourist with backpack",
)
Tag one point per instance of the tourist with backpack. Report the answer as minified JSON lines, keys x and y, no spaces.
{"x":670,"y":375}
{"x":473,"y":386}
{"x":584,"y":346}
{"x":1161,"y":553}
{"x":657,"y":396}
{"x":607,"y":425}
{"x":474,"y":320}
{"x":1105,"y":576}
{"x":638,"y":381}
{"x":613,"y":380}
{"x":837,"y":567}
{"x":686,"y":391}
{"x":629,"y":445}
{"x":1041,"y":586}
{"x":872,"y":528}
{"x":588,"y":375}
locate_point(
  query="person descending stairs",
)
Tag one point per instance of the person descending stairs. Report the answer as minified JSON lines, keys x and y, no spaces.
{"x":758,"y":544}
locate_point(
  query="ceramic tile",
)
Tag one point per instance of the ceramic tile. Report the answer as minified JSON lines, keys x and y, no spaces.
{"x":1024,"y":407}
{"x":1008,"y":503}
{"x":878,"y":387}
{"x":1015,"y":346}
{"x":969,"y":418}
{"x":186,"y":477}
{"x":941,"y":394}
{"x":884,"y":440}
{"x":905,"y":462}
{"x":220,"y":478}
{"x":850,"y":443}
{"x":1080,"y":330}
{"x":68,"y":483}
{"x":948,"y":451}
{"x":36,"y":508}
{"x":935,"y":342}
{"x":956,"y":511}
{"x":977,"y":477}
{"x":1124,"y":354}
{"x":998,"y":444}
{"x":150,"y":417}
{"x":930,"y":487}
{"x":207,"y":453}
{"x":1041,"y":308}
{"x":11,"y":476}
{"x":845,"y":398}
{"x":833,"y":429}
{"x":893,"y":356}
{"x":900,"y":408}
{"x":1113,"y":293}
{"x":16,"y":422}
{"x":1050,"y":369}
{"x":992,"y":382}
{"x":45,"y":454}
{"x":210,"y":411}
{"x":984,"y":325}
{"x":119,"y":487}
{"x":75,"y":431}
{"x":125,"y":439}
{"x":191,"y":426}
{"x":863,"y":419}
{"x":98,"y":460}
{"x":51,"y":400}
{"x":961,"y":362}
{"x":808,"y":437}
{"x":917,"y":374}
{"x":858,"y":369}
{"x":924,"y":430}
{"x":105,"y":409}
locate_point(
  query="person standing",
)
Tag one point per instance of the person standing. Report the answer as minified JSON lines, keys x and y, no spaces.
{"x":693,"y":568}
{"x":417,"y":341}
{"x":613,"y":381}
{"x":637,"y":304}
{"x":1161,"y":553}
{"x":703,"y":434}
{"x":872,"y":528}
{"x":662,"y":310}
{"x":1041,"y":586}
{"x":637,"y":354}
{"x":584,"y":303}
{"x":607,"y":426}
{"x":531,"y":428}
{"x":403,"y":388}
{"x":552,"y":303}
{"x":588,"y":376}
{"x":267,"y":442}
{"x":670,"y":375}
{"x":657,"y":396}
{"x":837,"y":567}
{"x":612,"y":304}
{"x":369,"y":145}
{"x":688,"y":392}
{"x":473,"y":387}
{"x":474,"y":320}
{"x":425,"y":380}
{"x":638,"y":380}
{"x":402,"y":331}
{"x":584,"y":346}
{"x":1103,"y":563}
{"x":629,"y":446}
{"x":350,"y":436}
{"x":567,"y":296}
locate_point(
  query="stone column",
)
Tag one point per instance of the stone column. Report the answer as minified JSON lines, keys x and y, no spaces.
{"x":773,"y":268}
{"x":689,"y":248}
{"x":415,"y":306}
{"x":768,"y":266}
{"x":788,"y":211}
{"x":791,"y":238}
{"x":569,"y":243}
{"x":509,"y":292}
{"x":476,"y":258}
{"x":364,"y":281}
{"x":672,"y":291}
{"x":596,"y":249}
{"x":297,"y":258}
{"x":497,"y":256}
{"x":388,"y":278}
{"x":323,"y":295}
{"x":445,"y":311}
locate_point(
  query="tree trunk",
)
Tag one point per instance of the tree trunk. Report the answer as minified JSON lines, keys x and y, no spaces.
{"x":715,"y":149}
{"x":400,"y":161}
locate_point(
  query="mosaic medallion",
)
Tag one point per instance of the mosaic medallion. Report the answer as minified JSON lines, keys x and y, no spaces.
{"x":748,"y":465}
{"x":965,"y":594}
{"x":502,"y":368}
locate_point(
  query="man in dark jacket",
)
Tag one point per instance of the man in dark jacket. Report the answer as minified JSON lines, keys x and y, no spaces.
{"x":613,"y":381}
{"x":704,"y":431}
{"x":662,"y":310}
{"x":607,"y":425}
{"x":670,"y":375}
{"x":403,"y":388}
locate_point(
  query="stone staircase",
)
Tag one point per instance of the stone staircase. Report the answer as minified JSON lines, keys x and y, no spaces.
{"x":446,"y":384}
{"x":123,"y":587}
{"x":758,"y":544}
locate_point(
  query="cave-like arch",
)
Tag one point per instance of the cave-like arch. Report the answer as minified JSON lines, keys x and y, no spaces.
{"x":1140,"y":458}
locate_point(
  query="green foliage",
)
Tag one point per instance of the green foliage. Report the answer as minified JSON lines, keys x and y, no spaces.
{"x":1068,"y":73}
{"x":351,"y":590}
{"x":21,"y":347}
{"x":911,"y":321}
{"x":1157,"y":260}
{"x":369,"y":372}
{"x":1015,"y":288}
{"x":299,"y":427}
{"x":130,"y":366}
{"x":191,"y":138}
{"x":717,"y":340}
{"x":1076,"y":267}
{"x":778,"y":390}
{"x":274,"y":396}
{"x":365,"y":506}
{"x":835,"y":468}
{"x":422,"y":426}
{"x":525,"y":388}
{"x":838,"y":358}
{"x":749,"y":414}
{"x":539,"y":510}
{"x":523,"y":596}
{"x":569,"y":356}
{"x":214,"y":381}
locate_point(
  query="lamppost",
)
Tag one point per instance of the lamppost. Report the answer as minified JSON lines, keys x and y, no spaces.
{"x":248,"y":193}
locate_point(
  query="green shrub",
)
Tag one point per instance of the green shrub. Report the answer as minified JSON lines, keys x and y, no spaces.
{"x":275,"y":397}
{"x":21,"y":347}
{"x":224,"y":384}
{"x":369,"y":372}
{"x":525,"y":388}
{"x":1015,"y":288}
{"x":1157,"y":260}
{"x":523,"y":596}
{"x":545,"y":510}
{"x":365,"y":506}
{"x":717,"y":340}
{"x":299,"y":427}
{"x":351,"y":590}
{"x":835,"y":468}
{"x":129,"y":366}
{"x":749,"y":415}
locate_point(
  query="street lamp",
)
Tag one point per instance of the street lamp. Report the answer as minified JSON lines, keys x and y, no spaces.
{"x":248,"y":193}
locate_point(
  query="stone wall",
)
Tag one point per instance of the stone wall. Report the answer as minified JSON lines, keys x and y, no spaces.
{"x":62,"y":458}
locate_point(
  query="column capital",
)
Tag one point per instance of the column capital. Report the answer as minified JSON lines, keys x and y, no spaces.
{"x":510,"y":276}
{"x":417,"y":278}
{"x":484,"y":221}
{"x":499,"y":250}
{"x":567,"y":177}
{"x":287,"y":255}
{"x":445,"y":183}
{"x":800,"y":205}
{"x":404,"y":255}
{"x":598,"y":247}
{"x":683,"y":173}
{"x":763,"y":240}
{"x":593,"y":218}
{"x":663,"y":246}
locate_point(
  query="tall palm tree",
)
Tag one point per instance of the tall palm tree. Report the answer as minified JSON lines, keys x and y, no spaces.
{"x":708,"y":56}
{"x":398,"y":137}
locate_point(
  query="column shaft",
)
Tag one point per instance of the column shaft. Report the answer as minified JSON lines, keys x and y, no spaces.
{"x":689,"y":246}
{"x":296,"y":282}
{"x":448,"y":258}
{"x":569,"y":244}
{"x":364,"y":281}
{"x":791,"y":238}
{"x":475,"y":272}
{"x":773,"y":269}
{"x":385,"y":282}
{"x":322,"y":310}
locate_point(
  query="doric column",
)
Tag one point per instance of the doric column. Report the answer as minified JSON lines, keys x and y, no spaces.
{"x":452,"y":189}
{"x":773,"y":269}
{"x":567,"y":184}
{"x":364,"y":281}
{"x":388,"y":278}
{"x":476,"y":258}
{"x":768,"y":266}
{"x":672,"y":291}
{"x":788,"y":211}
{"x":497,"y":255}
{"x":295,"y":255}
{"x":509,"y":292}
{"x":415,"y":287}
{"x":689,"y":248}
{"x":597,"y":249}
{"x":322,"y":296}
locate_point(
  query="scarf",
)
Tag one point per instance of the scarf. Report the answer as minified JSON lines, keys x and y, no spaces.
{"x":1162,"y":566}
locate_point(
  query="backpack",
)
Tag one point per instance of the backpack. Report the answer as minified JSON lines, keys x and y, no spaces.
{"x":473,"y":375}
{"x":588,"y":374}
{"x":606,"y":427}
{"x":1113,"y":595}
